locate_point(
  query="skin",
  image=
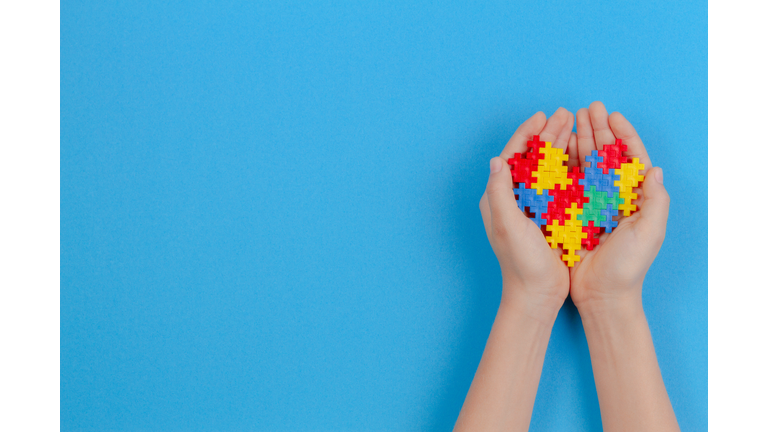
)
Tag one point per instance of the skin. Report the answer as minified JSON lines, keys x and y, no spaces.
{"x":606,"y":287}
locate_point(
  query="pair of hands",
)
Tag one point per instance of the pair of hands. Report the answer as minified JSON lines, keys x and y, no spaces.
{"x":609,"y":276}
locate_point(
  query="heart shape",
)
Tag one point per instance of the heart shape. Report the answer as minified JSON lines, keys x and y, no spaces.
{"x":575,"y":207}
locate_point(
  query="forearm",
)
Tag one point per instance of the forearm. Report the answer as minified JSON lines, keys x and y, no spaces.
{"x":627,"y":375}
{"x":504,"y":388}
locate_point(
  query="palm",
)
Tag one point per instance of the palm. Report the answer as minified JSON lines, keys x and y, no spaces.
{"x":606,"y":262}
{"x":615,"y":259}
{"x":540,"y":258}
{"x":525,"y":258}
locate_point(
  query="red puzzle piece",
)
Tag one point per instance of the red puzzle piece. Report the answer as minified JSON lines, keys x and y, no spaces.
{"x":576,"y":175}
{"x":612,"y":156}
{"x":592,"y":231}
{"x":522,"y":168}
{"x":565,"y":231}
{"x":535,"y":145}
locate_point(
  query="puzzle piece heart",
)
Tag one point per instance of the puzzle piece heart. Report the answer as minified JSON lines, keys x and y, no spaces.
{"x":575,"y":207}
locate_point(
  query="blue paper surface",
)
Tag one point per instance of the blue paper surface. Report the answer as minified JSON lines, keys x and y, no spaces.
{"x":269,"y":212}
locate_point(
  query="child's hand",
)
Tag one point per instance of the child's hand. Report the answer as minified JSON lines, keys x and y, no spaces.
{"x":612,"y":273}
{"x":536,"y":282}
{"x":533,"y":275}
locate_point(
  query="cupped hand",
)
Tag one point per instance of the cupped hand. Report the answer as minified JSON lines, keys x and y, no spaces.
{"x":613,"y":272}
{"x":532,"y":272}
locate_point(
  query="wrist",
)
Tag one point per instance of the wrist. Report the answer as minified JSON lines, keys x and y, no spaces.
{"x":541,"y":308}
{"x":602,"y":298}
{"x":609,"y":311}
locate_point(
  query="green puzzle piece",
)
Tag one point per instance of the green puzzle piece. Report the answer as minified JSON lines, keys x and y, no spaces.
{"x":591,"y":215}
{"x":615,"y":200}
{"x":598,"y":201}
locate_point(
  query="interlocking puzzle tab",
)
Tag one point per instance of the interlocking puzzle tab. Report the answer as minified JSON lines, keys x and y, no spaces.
{"x":575,"y":207}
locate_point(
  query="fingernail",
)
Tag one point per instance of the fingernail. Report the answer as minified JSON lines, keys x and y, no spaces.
{"x":495,"y":165}
{"x":659,"y":175}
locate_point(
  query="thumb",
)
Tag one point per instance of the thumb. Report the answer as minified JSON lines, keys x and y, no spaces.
{"x":501,"y":198}
{"x":655,"y":207}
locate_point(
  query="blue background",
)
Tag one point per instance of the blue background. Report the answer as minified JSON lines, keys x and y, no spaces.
{"x":269,"y":211}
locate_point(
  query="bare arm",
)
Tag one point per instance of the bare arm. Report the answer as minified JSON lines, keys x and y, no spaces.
{"x":627,"y":375}
{"x":606,"y":287}
{"x":535,"y":285}
{"x":502,"y":393}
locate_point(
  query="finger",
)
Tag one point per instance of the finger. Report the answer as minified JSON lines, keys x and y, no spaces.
{"x":652,"y":223}
{"x":555,"y":125}
{"x":600,"y":127}
{"x":585,"y":135}
{"x":529,"y":128}
{"x":501,"y":200}
{"x":624,"y":131}
{"x":573,"y":151}
{"x":564,"y":136}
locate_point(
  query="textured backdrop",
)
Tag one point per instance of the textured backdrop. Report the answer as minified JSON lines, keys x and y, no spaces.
{"x":269,"y":212}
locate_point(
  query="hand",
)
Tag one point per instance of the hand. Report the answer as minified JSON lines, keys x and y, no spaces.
{"x":533,"y":274}
{"x":612,"y":273}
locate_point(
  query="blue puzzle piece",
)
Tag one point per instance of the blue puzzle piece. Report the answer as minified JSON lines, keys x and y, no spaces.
{"x":539,"y":207}
{"x":538,"y":220}
{"x":535,"y":203}
{"x":525,"y":196}
{"x":602,"y":182}
{"x":593,"y":159}
{"x":607,"y":185}
{"x":609,"y":224}
{"x":591,"y":179}
{"x":541,"y":202}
